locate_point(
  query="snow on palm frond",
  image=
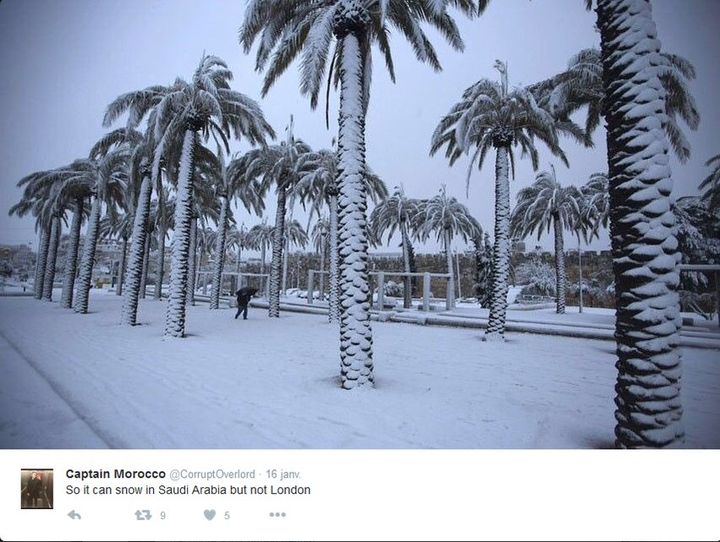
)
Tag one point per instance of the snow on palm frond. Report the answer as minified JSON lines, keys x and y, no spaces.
{"x":319,"y":233}
{"x":137,"y":104}
{"x":115,"y":138}
{"x":441,"y":214}
{"x":315,"y":55}
{"x":317,"y":173}
{"x":285,"y":29}
{"x":393,"y":213}
{"x":544,"y":202}
{"x":219,"y":111}
{"x":711,"y":184}
{"x":488,"y":116}
{"x":596,"y":200}
{"x":296,"y":234}
{"x":581,"y":85}
{"x":260,"y":235}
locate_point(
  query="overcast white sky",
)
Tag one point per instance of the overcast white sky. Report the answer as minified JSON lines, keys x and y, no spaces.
{"x":63,"y":61}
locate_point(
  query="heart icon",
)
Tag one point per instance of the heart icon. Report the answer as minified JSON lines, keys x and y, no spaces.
{"x":209,"y":514}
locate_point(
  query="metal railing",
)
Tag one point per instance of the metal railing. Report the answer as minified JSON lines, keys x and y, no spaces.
{"x":427,"y":277}
{"x":380,"y":303}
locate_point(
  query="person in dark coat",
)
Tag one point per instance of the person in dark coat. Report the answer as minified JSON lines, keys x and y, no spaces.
{"x":34,"y":488}
{"x":243,"y":296}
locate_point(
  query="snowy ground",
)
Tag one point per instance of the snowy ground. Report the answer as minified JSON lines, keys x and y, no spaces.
{"x":84,"y":381}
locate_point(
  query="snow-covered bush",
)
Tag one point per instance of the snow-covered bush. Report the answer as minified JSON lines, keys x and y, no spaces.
{"x":538,"y":276}
{"x":393,"y":289}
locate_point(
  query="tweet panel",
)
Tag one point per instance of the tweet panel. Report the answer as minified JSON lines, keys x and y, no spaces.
{"x":357,"y":495}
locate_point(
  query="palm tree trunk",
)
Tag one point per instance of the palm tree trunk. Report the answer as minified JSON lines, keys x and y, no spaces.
{"x":162,"y":232}
{"x":407,"y":297}
{"x":262,"y":257}
{"x":451,"y":281}
{"x":321,"y":285}
{"x":219,"y":255}
{"x":41,"y":261}
{"x":277,"y":251}
{"x":160,"y":262}
{"x":643,"y":230}
{"x":355,"y":331}
{"x":286,"y":251}
{"x":334,"y":301}
{"x":137,"y":253}
{"x":179,"y":268}
{"x":145,"y":265}
{"x":71,"y":258}
{"x":501,"y":248}
{"x":88,"y":259}
{"x":193,"y":263}
{"x":580,"y":279}
{"x":559,"y":267}
{"x":412,"y":267}
{"x":49,"y":279}
{"x":123,"y":264}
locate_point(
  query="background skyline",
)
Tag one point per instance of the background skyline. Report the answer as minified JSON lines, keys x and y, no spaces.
{"x":65,"y":61}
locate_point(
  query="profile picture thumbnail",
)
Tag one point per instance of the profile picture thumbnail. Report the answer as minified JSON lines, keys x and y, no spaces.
{"x":36,"y":489}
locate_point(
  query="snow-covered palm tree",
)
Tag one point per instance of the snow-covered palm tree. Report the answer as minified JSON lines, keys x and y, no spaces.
{"x":205,"y":209}
{"x":103,"y":176}
{"x":238,"y":238}
{"x":276,"y":165}
{"x":230,"y":184}
{"x":491,"y":116}
{"x":446,"y":217}
{"x":120,"y":226}
{"x":37,"y":200}
{"x":162,"y":223}
{"x":52,"y":209}
{"x":106,"y":178}
{"x":318,"y":173}
{"x":80,"y":212}
{"x":318,"y":179}
{"x":290,"y":29}
{"x":320,"y":235}
{"x":206,"y":104}
{"x":643,"y":228}
{"x":581,"y":85}
{"x":260,"y":238}
{"x":596,"y":204}
{"x":142,"y":178}
{"x":543,"y":206}
{"x":296,"y":234}
{"x":397,"y":213}
{"x":50,"y":268}
{"x":711,"y":184}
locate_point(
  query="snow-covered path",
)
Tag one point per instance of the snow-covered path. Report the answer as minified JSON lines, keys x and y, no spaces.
{"x":32,"y":414}
{"x":265,"y":383}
